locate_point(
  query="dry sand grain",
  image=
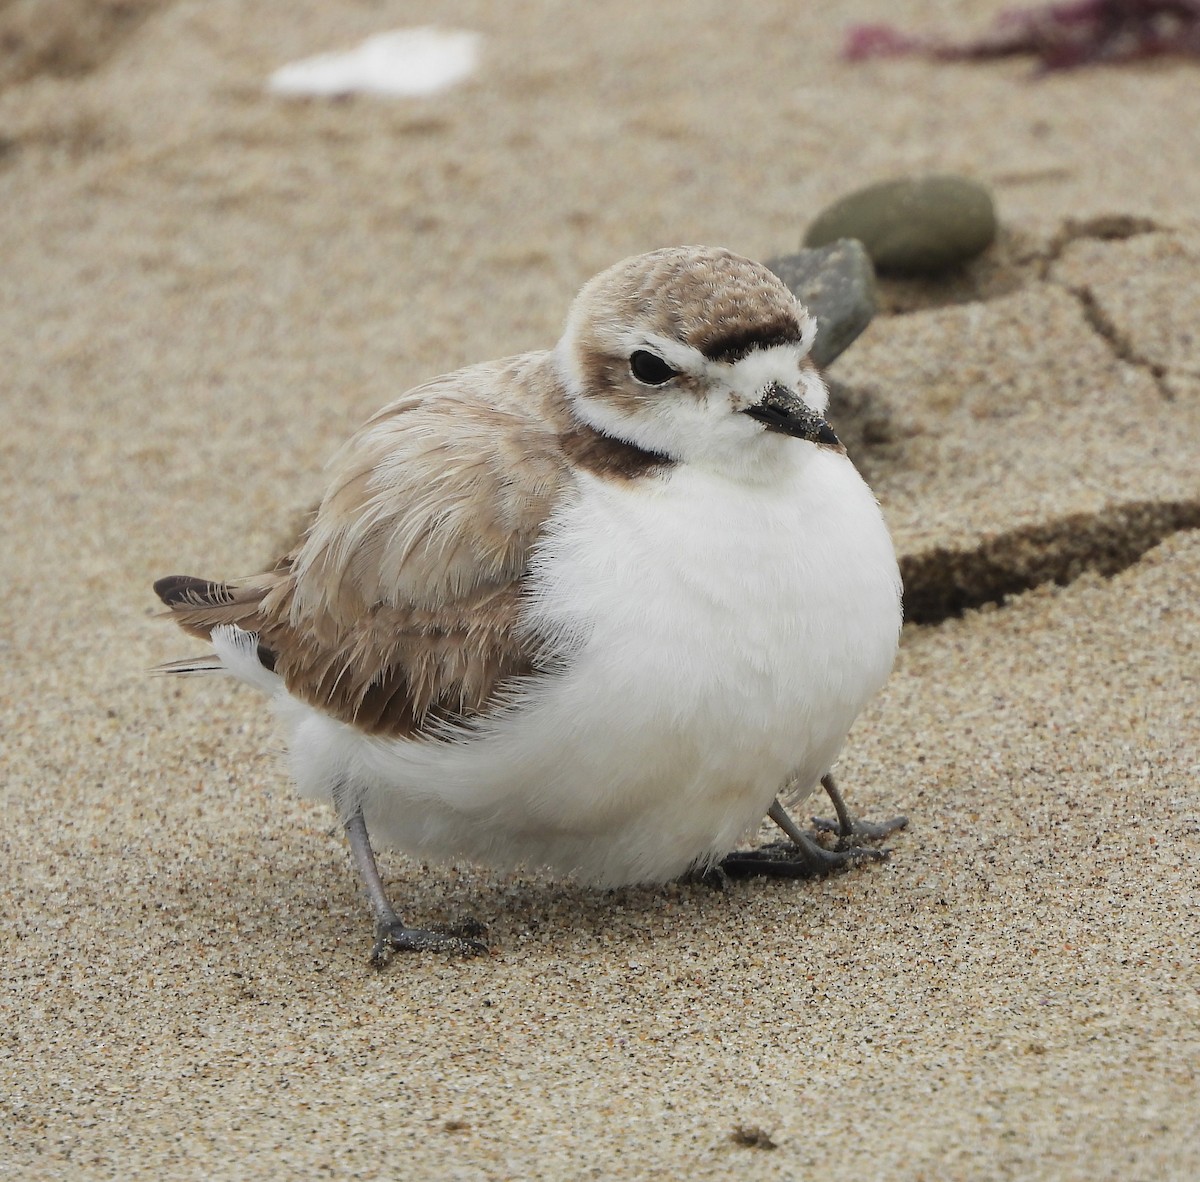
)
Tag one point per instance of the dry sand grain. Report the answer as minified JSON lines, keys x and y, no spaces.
{"x":203,"y":289}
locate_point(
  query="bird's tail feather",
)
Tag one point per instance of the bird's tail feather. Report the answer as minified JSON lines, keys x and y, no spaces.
{"x":227,"y":615}
{"x":207,"y":663}
{"x":200,"y":605}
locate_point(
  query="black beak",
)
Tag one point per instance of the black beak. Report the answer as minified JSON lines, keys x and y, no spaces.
{"x":782,"y":410}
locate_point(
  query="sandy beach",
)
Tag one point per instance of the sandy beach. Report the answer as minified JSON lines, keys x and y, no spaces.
{"x":205,"y":288}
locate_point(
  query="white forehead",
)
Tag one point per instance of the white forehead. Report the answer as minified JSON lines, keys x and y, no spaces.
{"x":761,"y":367}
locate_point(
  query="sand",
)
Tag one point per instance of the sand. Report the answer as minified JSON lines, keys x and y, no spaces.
{"x":203,"y":289}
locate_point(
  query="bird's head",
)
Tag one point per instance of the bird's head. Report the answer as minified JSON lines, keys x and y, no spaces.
{"x":697,"y":354}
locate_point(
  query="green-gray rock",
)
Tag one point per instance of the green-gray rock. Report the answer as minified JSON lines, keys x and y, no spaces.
{"x":913,"y":226}
{"x":836,"y":283}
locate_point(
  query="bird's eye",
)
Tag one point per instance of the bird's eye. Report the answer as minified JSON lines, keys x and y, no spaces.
{"x":650,"y":368}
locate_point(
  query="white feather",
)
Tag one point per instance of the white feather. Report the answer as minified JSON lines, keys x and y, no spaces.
{"x":237,"y":651}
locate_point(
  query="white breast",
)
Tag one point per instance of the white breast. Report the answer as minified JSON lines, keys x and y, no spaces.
{"x":723,"y":638}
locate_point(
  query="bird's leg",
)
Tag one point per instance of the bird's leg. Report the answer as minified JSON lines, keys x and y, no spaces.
{"x":392,"y":934}
{"x":846,"y":824}
{"x":799,"y":858}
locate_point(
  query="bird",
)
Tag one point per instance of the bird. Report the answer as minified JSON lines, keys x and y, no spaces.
{"x":591,"y":608}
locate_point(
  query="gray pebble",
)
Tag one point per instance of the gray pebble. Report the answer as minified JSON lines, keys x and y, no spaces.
{"x":836,"y":283}
{"x":913,"y":226}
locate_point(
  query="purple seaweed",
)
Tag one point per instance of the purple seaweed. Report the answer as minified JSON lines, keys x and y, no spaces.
{"x":1060,"y":36}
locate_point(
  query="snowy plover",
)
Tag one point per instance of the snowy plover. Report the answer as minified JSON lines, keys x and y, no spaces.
{"x":590,"y":608}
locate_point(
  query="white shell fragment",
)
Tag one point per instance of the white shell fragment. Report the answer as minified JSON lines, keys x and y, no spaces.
{"x":404,"y":62}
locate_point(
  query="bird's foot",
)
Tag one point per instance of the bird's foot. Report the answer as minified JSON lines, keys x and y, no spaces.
{"x":396,"y":936}
{"x":870,"y":830}
{"x":804,"y":859}
{"x":712,"y":877}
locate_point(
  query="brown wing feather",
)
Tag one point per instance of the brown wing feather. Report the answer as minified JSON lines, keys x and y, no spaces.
{"x":401,"y":605}
{"x":394,"y":670}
